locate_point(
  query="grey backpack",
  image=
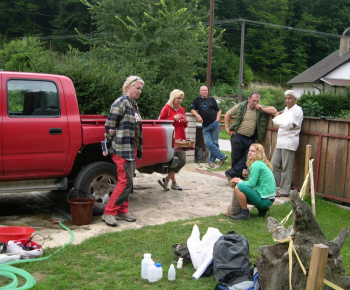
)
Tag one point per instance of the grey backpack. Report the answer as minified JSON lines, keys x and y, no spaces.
{"x":231,"y":263}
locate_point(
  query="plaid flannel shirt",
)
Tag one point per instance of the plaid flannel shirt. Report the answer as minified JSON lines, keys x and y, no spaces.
{"x":122,"y":118}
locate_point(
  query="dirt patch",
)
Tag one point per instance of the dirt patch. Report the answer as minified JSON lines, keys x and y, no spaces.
{"x":204,"y":194}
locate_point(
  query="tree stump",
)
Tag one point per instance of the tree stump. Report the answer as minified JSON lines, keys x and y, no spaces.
{"x":273,"y":265}
{"x":233,"y":208}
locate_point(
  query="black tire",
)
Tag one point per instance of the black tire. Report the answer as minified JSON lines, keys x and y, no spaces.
{"x":99,"y":179}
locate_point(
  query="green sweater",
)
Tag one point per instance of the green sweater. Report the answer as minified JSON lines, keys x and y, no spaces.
{"x":261,"y":179}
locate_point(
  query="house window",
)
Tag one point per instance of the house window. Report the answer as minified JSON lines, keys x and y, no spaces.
{"x":32,"y":98}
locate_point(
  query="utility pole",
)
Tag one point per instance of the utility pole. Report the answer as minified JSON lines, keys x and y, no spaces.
{"x":210,"y":46}
{"x":241,"y":61}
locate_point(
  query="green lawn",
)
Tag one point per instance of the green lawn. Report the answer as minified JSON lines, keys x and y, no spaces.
{"x":224,"y":135}
{"x":113,"y":261}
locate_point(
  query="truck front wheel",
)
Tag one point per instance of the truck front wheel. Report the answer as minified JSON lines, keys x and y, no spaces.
{"x":99,"y":179}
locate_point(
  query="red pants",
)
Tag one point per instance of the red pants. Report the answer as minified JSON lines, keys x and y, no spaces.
{"x":119,"y":199}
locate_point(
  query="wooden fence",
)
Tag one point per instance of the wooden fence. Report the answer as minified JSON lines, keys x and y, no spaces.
{"x":330,"y":150}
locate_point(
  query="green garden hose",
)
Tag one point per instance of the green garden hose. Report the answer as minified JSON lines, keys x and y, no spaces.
{"x":8,"y":271}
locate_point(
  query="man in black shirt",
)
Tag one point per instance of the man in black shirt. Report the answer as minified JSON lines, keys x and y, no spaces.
{"x":209,"y":115}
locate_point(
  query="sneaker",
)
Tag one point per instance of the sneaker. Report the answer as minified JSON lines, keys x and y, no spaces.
{"x":243,"y":215}
{"x":175,"y":186}
{"x":125,"y":216}
{"x":222,"y":161}
{"x":163,"y":183}
{"x":109,"y":220}
{"x":211,"y":165}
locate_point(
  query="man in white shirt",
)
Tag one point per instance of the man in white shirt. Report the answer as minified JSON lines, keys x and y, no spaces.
{"x":289,"y":122}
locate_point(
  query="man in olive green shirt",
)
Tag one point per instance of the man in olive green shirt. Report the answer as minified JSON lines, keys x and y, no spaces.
{"x":250,"y":124}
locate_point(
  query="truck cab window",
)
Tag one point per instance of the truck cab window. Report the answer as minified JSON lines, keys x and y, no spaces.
{"x":32,"y":98}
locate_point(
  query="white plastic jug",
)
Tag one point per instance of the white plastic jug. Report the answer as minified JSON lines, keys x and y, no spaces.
{"x":152,"y":273}
{"x":171,"y":273}
{"x":144,"y":265}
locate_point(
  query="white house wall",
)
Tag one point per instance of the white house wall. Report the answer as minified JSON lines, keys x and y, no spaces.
{"x":303,"y":89}
{"x":342,"y":73}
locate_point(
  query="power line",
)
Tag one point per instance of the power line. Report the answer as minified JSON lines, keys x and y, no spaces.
{"x":31,"y":13}
{"x":220,"y":22}
{"x":331,"y":35}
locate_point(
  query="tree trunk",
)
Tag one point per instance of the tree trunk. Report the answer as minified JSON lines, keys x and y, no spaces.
{"x":273,"y":265}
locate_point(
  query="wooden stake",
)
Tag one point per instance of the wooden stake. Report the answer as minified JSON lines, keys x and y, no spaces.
{"x":317,"y":269}
{"x":313,"y":202}
{"x":307,"y":158}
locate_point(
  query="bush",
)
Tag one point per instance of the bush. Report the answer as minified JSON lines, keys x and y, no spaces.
{"x":344,"y":114}
{"x":27,"y":55}
{"x":324,"y":104}
{"x":226,"y":104}
{"x":273,"y":97}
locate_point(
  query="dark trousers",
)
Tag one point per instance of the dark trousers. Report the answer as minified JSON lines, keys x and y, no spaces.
{"x":239,"y":150}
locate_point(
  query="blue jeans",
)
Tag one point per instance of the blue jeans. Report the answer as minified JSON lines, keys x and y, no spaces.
{"x":211,"y":140}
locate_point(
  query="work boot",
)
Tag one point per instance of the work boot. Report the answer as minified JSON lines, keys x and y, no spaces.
{"x":262,"y":212}
{"x":228,"y":179}
{"x":244,"y":215}
{"x":125,"y":216}
{"x":245,"y":173}
{"x":109,"y":220}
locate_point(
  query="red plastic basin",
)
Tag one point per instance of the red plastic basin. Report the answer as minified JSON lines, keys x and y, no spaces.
{"x":15,"y":233}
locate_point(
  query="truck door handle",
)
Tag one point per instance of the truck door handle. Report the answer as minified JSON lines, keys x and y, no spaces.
{"x":55,"y":131}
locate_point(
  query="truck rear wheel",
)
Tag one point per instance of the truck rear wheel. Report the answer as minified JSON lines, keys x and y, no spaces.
{"x":99,"y":179}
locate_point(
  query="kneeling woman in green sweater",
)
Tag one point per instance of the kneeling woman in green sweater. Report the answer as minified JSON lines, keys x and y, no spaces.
{"x":260,"y":188}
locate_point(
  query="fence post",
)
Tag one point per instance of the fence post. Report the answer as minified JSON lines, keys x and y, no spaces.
{"x":317,"y":268}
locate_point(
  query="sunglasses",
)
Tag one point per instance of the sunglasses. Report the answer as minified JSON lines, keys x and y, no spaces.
{"x":137,"y":79}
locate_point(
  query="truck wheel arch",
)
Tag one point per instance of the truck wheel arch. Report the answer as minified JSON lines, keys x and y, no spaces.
{"x":99,"y":179}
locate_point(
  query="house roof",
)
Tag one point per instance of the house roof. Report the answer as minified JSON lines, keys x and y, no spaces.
{"x":322,"y":68}
{"x":337,"y":82}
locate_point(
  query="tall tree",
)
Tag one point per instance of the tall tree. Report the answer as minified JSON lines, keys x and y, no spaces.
{"x":71,"y":17}
{"x":23,"y":18}
{"x":164,"y":41}
{"x":265,"y":49}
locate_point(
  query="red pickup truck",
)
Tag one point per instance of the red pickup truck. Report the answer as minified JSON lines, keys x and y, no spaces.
{"x":45,"y":144}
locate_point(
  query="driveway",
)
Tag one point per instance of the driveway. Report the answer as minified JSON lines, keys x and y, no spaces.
{"x":204,"y":194}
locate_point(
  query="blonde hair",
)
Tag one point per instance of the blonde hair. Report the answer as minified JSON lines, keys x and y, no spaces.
{"x":174,"y":95}
{"x":129,"y":81}
{"x":260,"y":155}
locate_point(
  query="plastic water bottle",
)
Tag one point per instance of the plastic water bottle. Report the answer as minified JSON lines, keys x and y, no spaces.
{"x":152,"y":273}
{"x":144,"y":265}
{"x":171,"y":273}
{"x":159,"y":271}
{"x":179,"y":263}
